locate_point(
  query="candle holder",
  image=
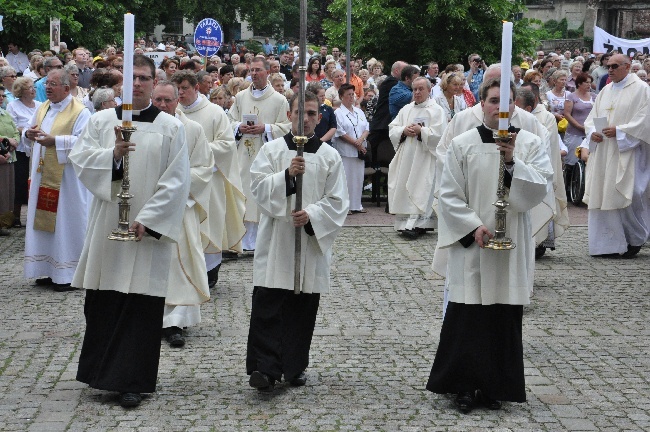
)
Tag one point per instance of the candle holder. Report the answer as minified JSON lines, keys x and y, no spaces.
{"x":500,"y":241}
{"x":122,"y":232}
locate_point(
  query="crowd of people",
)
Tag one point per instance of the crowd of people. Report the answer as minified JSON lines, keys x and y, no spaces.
{"x":214,"y":168}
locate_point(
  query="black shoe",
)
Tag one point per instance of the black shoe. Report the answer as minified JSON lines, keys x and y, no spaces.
{"x":299,"y":381}
{"x":631,"y":251}
{"x":44,"y":282}
{"x":62,"y":287}
{"x":262,"y":382}
{"x":213,"y":276}
{"x":4,"y":232}
{"x":465,"y":402}
{"x":130,"y":400}
{"x":174,"y":337}
{"x":489,"y":403}
{"x":229,"y":255}
{"x":18,"y":224}
{"x":539,"y":252}
{"x":410,"y":234}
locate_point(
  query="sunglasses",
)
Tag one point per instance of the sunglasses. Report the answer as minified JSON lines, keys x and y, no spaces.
{"x":613,"y":66}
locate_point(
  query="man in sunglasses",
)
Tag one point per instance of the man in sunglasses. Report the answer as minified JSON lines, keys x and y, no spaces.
{"x":474,"y":75}
{"x":616,"y":190}
{"x":51,"y":63}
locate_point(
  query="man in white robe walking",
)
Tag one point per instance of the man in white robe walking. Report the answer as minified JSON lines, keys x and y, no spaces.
{"x":415,"y":134}
{"x":126,"y":281}
{"x":282,"y":323}
{"x":480,"y":354}
{"x":187,"y":280}
{"x":57,"y":210}
{"x":618,"y":170}
{"x":225,"y":227}
{"x":258,"y":115}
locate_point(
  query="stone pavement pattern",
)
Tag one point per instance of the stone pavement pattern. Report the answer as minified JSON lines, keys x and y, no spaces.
{"x":586,"y":339}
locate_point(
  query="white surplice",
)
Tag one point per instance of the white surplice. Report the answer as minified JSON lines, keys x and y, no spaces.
{"x":411,"y":173}
{"x":468,"y":188}
{"x":159,"y":183}
{"x":324,"y":198}
{"x":618,"y":170}
{"x":56,"y":255}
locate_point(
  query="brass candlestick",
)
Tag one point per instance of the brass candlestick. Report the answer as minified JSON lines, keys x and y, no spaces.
{"x":500,"y":241}
{"x":122,"y":232}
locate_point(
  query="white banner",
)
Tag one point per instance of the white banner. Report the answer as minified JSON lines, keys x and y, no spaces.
{"x":159,"y":56}
{"x":605,"y":42}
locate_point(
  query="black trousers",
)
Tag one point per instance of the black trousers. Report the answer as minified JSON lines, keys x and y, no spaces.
{"x":121,"y":347}
{"x":281,"y":329}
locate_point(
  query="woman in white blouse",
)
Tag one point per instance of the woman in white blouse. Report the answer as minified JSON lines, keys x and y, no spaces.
{"x":350,"y":141}
{"x":451,"y":99}
{"x":21,"y":110}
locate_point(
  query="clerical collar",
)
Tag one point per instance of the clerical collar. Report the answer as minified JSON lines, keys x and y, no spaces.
{"x":487,"y":134}
{"x":621,"y":83}
{"x":193,"y":104}
{"x":312,"y":146}
{"x":137,"y":112}
{"x":59,"y":106}
{"x":258,"y":92}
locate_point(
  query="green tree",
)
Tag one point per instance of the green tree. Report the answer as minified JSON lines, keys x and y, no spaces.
{"x":91,"y":23}
{"x":419,"y":31}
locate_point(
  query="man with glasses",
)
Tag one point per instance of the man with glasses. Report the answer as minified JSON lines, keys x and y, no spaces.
{"x":126,"y":282}
{"x":57,"y":208}
{"x":599,"y":72}
{"x":51,"y":63}
{"x":474,"y":75}
{"x":616,"y":189}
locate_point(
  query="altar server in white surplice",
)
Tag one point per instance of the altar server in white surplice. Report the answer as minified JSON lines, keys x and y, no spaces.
{"x":258,"y":115}
{"x":618,"y":170}
{"x":480,"y":352}
{"x":126,"y":281}
{"x":225,"y":227}
{"x":282,"y":323}
{"x":415,"y":134}
{"x":188,"y":281}
{"x":57,"y":210}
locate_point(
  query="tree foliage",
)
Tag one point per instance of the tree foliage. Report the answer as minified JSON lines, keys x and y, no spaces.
{"x":91,"y":23}
{"x":420,"y":31}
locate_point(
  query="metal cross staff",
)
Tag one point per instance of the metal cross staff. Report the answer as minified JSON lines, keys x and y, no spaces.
{"x":300,"y":140}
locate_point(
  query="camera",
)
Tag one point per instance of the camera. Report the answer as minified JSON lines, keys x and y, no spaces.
{"x":4,"y":146}
{"x":478,"y":60}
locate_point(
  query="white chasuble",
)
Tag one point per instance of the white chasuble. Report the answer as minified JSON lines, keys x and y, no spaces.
{"x":412,"y":171}
{"x":160,"y":184}
{"x":188,"y":280}
{"x":225,"y":226}
{"x":270,"y":109}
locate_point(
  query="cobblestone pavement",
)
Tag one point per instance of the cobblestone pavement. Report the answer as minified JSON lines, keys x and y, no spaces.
{"x":586,"y":339}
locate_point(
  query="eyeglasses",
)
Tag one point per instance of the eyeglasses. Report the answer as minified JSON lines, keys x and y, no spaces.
{"x":52,"y":84}
{"x":11,"y":76}
{"x":166,"y":100}
{"x":613,"y":66}
{"x":2,"y":95}
{"x":119,"y":67}
{"x":142,"y":78}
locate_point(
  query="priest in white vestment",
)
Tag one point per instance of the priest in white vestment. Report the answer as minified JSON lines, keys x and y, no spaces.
{"x":57,"y":210}
{"x":225,"y":227}
{"x":258,"y":115}
{"x":415,"y":134}
{"x":528,"y":100}
{"x":618,"y":172}
{"x":480,"y":354}
{"x":282,"y":323}
{"x":126,"y":281}
{"x":188,"y":280}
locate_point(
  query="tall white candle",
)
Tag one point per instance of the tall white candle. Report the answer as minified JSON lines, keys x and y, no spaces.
{"x":127,"y":83}
{"x":506,"y":62}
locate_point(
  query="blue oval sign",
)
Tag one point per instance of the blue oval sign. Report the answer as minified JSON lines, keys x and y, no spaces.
{"x":208,"y":37}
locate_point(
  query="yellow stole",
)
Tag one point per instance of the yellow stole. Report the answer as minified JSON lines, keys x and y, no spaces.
{"x":51,"y":169}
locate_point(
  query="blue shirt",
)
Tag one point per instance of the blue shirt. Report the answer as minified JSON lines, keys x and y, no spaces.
{"x":475,"y":82}
{"x":268,"y":48}
{"x":39,"y":85}
{"x":400,"y":95}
